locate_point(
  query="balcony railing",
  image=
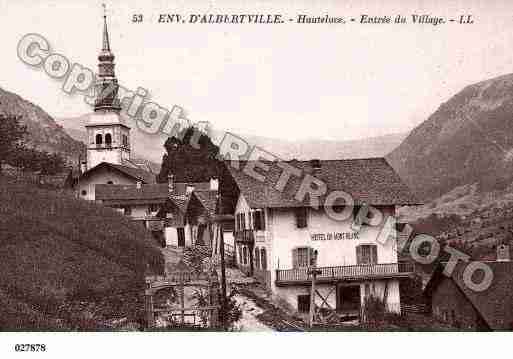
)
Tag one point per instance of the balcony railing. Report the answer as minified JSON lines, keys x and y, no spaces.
{"x":355,"y":272}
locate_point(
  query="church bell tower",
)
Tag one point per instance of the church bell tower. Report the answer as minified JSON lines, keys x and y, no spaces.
{"x":108,"y":134}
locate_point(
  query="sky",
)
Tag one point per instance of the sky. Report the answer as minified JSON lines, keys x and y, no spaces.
{"x":293,"y":81}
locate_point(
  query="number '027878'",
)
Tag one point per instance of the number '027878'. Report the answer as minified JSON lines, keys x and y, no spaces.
{"x":30,"y":347}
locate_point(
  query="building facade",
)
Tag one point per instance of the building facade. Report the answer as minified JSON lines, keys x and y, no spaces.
{"x":277,"y":237}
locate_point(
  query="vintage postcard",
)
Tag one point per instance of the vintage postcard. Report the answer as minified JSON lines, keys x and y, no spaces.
{"x":254,"y":166}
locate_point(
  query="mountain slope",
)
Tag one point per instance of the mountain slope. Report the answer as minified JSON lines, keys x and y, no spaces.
{"x":59,"y":252}
{"x":468,"y":140}
{"x":43,"y":133}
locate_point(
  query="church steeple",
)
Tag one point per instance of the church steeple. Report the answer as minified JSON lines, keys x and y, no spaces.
{"x":106,"y":44}
{"x":106,"y":83}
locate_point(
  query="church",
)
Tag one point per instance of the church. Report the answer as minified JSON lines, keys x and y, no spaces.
{"x":108,"y":135}
{"x":110,"y":177}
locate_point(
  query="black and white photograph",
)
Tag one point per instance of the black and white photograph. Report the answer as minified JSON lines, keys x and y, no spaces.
{"x":268,"y":170}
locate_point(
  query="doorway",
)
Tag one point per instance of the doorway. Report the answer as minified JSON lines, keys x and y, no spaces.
{"x":348,"y":299}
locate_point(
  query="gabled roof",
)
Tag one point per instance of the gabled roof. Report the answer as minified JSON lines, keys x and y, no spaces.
{"x":132,"y":172}
{"x":147,"y":192}
{"x":494,"y":303}
{"x":370,"y":180}
{"x":208,"y":200}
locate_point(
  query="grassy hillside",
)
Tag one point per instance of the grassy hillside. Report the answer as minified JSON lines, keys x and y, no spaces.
{"x":66,"y":263}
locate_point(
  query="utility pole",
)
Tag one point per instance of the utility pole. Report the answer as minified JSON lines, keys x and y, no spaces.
{"x":313,"y":271}
{"x":219,"y":219}
{"x":223,"y":275}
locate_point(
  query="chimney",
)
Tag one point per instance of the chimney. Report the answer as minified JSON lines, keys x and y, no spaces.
{"x":503,"y":253}
{"x":138,"y":184}
{"x":83,"y":166}
{"x":170,"y":183}
{"x":214,"y":184}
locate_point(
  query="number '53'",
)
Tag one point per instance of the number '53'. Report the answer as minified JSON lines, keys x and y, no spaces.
{"x":137,"y":18}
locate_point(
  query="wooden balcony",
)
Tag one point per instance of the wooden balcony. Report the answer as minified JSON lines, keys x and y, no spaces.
{"x":245,"y":236}
{"x":345,"y":273}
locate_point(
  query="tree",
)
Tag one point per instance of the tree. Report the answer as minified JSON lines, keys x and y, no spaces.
{"x":191,"y":157}
{"x":14,"y":152}
{"x":11,"y":137}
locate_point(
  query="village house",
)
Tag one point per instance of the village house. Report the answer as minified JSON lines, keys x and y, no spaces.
{"x":276,"y":236}
{"x":455,"y":303}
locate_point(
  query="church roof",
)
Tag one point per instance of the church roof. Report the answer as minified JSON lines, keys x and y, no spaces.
{"x":107,"y":118}
{"x":132,"y":172}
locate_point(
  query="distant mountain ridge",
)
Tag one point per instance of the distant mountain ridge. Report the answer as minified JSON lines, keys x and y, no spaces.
{"x":151,"y":147}
{"x":43,"y":132}
{"x":467,"y":140}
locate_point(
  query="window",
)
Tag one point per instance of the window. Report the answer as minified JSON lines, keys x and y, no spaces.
{"x":245,"y":255}
{"x":180,"y":231}
{"x":301,"y":257}
{"x":84,"y":192}
{"x":259,"y":220}
{"x":108,"y":140}
{"x":263,"y":258}
{"x":110,"y":182}
{"x":241,"y":221}
{"x":367,"y":254}
{"x":125,"y":140}
{"x":199,"y":234}
{"x":240,"y":255}
{"x":257,"y":258}
{"x":301,"y":217}
{"x":99,"y":139}
{"x":127,"y":211}
{"x":303,"y":303}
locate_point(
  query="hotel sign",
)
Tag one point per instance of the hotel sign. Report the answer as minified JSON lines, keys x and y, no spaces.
{"x":335,"y":236}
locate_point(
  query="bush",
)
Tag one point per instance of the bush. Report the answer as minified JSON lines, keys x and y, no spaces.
{"x":375,"y":314}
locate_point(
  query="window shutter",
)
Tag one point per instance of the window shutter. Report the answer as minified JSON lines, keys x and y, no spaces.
{"x":301,"y":215}
{"x":256,"y":219}
{"x":374,"y":254}
{"x":311,"y":256}
{"x":295,"y":258}
{"x":359,"y":254}
{"x":356,"y":209}
{"x":257,"y":258}
{"x":263,"y":259}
